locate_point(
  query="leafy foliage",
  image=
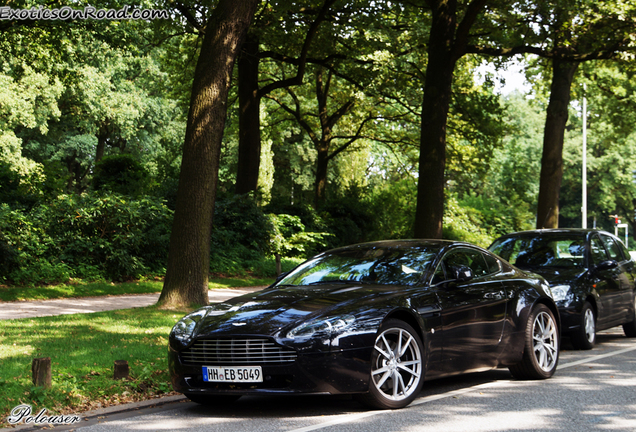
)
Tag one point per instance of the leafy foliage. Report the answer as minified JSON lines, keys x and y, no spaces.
{"x":96,"y":236}
{"x":122,"y":174}
{"x":119,"y":92}
{"x":290,"y":239}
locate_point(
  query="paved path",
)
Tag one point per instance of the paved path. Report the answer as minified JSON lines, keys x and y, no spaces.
{"x":30,"y":309}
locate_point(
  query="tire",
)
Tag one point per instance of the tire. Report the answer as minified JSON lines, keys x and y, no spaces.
{"x":630,"y":327}
{"x":541,"y":350}
{"x":397,"y":367}
{"x":585,"y":337}
{"x":211,"y":400}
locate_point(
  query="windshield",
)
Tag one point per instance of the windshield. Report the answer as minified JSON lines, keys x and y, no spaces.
{"x":365,"y":264}
{"x":545,"y":250}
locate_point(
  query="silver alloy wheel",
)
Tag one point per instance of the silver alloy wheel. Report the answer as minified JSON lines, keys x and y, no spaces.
{"x":590,"y":327}
{"x":544,"y":334}
{"x":397,"y":369}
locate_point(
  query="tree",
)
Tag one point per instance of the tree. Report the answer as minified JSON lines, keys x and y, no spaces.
{"x":186,"y":279}
{"x":566,"y":34}
{"x":578,"y":34}
{"x":250,"y":92}
{"x":611,"y":147}
{"x":322,"y":132}
{"x":448,"y":42}
{"x":110,"y":94}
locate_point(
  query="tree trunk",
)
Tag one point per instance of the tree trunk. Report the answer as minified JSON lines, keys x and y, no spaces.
{"x":249,"y":150}
{"x":322,"y":162}
{"x":101,"y":144}
{"x":552,"y":159}
{"x":429,"y":212}
{"x":186,"y":279}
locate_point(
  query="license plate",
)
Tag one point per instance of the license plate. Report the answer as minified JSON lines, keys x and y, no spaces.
{"x":245,"y":374}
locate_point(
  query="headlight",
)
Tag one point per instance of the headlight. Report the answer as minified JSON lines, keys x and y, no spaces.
{"x":329,"y":326}
{"x":560,"y":292}
{"x":182,"y":330}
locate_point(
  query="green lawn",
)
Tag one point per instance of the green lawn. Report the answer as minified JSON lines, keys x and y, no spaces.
{"x":90,"y":289}
{"x":83,"y":348}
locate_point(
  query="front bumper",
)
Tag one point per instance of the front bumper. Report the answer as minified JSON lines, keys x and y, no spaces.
{"x":570,"y":318}
{"x":340,"y":372}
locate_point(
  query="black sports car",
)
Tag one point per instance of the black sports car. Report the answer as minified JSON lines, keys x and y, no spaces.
{"x":591,"y":274}
{"x":373,"y":319}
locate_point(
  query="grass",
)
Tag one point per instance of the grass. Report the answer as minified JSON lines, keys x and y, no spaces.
{"x":83,"y":348}
{"x":91,"y":289}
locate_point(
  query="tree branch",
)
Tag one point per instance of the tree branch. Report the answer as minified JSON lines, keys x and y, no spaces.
{"x":189,"y":17}
{"x":298,"y":79}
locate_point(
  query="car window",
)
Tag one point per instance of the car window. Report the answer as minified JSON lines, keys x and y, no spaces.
{"x":626,"y":254}
{"x":493,"y":264}
{"x":470,"y":258}
{"x":597,"y":251}
{"x":509,"y":248}
{"x":439,"y":275}
{"x":612,"y":248}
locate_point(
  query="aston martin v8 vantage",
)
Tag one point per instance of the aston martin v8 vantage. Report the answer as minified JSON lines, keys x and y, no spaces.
{"x":375,"y":320}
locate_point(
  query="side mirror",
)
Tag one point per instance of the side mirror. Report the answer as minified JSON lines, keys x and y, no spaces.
{"x":461,"y":273}
{"x":606,"y":265}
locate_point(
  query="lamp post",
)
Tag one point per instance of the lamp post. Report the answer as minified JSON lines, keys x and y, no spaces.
{"x":584,"y":174}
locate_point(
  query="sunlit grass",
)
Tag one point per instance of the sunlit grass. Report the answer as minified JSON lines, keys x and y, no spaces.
{"x":83,"y":348}
{"x":91,"y":289}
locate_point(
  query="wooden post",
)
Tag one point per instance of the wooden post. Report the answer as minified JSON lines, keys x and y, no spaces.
{"x":41,"y":369}
{"x":121,"y":369}
{"x":279,"y":270}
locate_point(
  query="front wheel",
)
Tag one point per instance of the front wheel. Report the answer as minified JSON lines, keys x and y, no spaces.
{"x":397,"y":371}
{"x":630,"y":327}
{"x":541,"y":353}
{"x":585,"y":337}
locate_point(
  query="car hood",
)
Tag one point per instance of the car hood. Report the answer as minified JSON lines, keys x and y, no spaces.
{"x":557,"y":275}
{"x":269,"y":311}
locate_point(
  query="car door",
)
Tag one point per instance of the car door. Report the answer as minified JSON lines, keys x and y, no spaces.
{"x":606,"y":282}
{"x":624,"y":273}
{"x":473,"y":311}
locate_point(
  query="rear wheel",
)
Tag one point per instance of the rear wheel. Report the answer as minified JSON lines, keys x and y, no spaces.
{"x":397,"y":371}
{"x":541,"y":353}
{"x":630,"y":328}
{"x":585,"y":337}
{"x":210,"y":400}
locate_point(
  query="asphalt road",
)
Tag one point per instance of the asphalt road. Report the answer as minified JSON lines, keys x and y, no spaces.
{"x":37,"y":308}
{"x":592,"y":391}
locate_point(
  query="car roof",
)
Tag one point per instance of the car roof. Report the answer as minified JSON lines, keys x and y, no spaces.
{"x":558,"y":231}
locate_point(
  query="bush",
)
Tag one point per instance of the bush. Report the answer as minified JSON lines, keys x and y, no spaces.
{"x":8,"y":259}
{"x":20,"y":190}
{"x":121,"y":174}
{"x":104,"y":236}
{"x":241,"y":233}
{"x":290,"y":239}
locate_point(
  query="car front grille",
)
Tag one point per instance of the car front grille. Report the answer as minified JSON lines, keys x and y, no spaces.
{"x":229,"y":352}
